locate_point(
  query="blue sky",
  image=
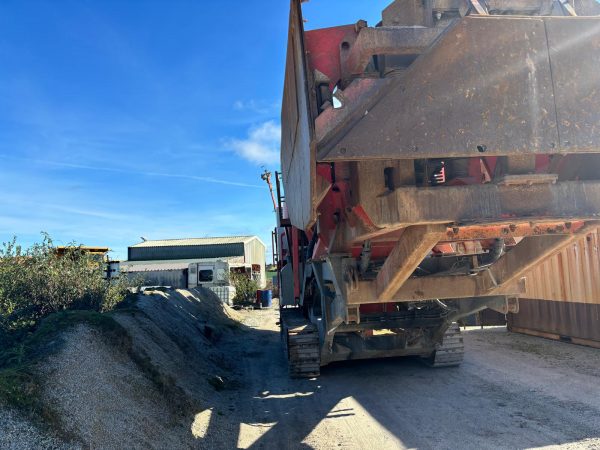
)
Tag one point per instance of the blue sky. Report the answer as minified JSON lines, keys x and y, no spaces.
{"x":129,"y":118}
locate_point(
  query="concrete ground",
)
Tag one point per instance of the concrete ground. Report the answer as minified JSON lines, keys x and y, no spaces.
{"x":512,"y":391}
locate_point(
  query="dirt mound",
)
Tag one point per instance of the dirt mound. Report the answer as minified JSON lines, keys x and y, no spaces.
{"x":149,"y":391}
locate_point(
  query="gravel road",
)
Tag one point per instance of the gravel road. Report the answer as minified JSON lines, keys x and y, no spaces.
{"x":512,"y":391}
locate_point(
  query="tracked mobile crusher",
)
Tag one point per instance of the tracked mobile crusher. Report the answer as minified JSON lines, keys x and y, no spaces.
{"x":428,"y":162}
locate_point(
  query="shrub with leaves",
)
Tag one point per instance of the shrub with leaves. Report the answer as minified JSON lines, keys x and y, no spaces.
{"x":39,"y":280}
{"x":44,"y":291}
{"x":245,"y":288}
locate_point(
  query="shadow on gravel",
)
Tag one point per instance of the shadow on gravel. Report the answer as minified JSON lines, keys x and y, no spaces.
{"x":387,"y":403}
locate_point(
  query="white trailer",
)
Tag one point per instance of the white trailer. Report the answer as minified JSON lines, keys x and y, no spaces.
{"x":214,"y":275}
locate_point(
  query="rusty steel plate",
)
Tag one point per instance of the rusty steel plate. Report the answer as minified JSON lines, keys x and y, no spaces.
{"x":572,"y":200}
{"x":574,"y":44}
{"x":484,"y":86}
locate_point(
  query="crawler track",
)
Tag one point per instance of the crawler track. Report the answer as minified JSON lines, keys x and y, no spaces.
{"x":451,"y":351}
{"x":301,"y":339}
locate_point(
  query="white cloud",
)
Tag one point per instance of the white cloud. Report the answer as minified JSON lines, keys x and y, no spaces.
{"x":261,"y":107}
{"x":133,"y":172}
{"x":262,"y":144}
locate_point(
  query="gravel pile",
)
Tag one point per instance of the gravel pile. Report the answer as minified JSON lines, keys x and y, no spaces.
{"x":105,"y":399}
{"x":179,"y":331}
{"x":157,"y":392}
{"x":17,"y":433}
{"x":109,"y":400}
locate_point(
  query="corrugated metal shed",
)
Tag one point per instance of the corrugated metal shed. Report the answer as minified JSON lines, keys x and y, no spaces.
{"x":255,"y":253}
{"x":185,"y":252}
{"x":188,"y":248}
{"x":572,"y":275}
{"x":195,"y":241}
{"x":250,"y":249}
{"x":194,"y":248}
{"x":141,"y":266}
{"x":146,"y":266}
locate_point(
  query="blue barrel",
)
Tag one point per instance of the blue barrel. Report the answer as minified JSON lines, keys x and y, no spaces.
{"x":266,"y":298}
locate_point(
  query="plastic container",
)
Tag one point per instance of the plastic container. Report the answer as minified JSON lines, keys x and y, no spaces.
{"x":266,"y":298}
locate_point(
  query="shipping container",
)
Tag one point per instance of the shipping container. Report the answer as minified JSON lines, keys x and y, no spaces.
{"x":562,"y":299}
{"x":578,"y":323}
{"x":572,"y":275}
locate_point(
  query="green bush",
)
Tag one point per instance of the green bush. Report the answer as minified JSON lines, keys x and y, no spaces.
{"x":42,"y":293}
{"x":245,"y":288}
{"x":38,"y":281}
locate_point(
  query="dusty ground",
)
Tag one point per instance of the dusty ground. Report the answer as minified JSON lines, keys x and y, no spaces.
{"x":512,"y":391}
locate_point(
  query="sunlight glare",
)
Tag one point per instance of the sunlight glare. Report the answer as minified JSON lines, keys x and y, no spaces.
{"x":201,"y":423}
{"x":252,"y":432}
{"x":346,"y":414}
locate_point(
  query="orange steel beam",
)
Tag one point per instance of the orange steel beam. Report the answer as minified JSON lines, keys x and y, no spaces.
{"x":524,"y":229}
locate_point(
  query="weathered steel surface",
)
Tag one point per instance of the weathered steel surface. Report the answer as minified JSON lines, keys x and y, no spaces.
{"x":577,"y":321}
{"x":359,"y":92}
{"x":414,"y":245}
{"x":388,"y":41}
{"x":503,"y":277}
{"x":442,"y":287}
{"x":413,"y":12}
{"x":573,"y":275}
{"x":484,"y":203}
{"x":588,"y":8}
{"x":542,"y":7}
{"x":562,"y":297}
{"x":406,"y":13}
{"x":513,"y":230}
{"x":575,"y":59}
{"x":323,"y":49}
{"x":468,"y":94}
{"x":526,"y":255}
{"x":297,"y":155}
